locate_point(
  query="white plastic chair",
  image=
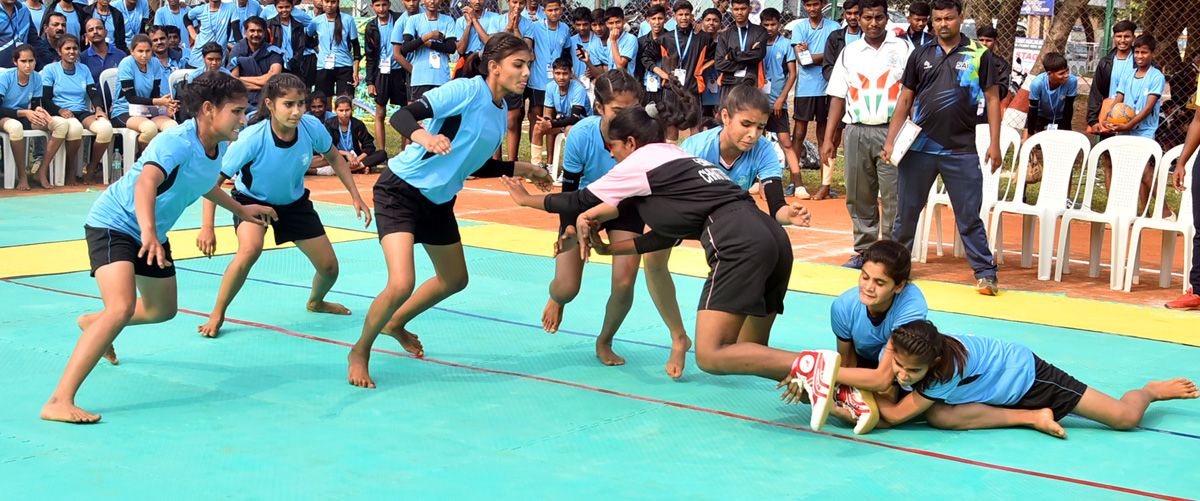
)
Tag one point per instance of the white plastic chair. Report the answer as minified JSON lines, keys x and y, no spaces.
{"x":1129,"y":154}
{"x":108,"y":90}
{"x":1170,"y":229}
{"x":1060,"y":148}
{"x":556,"y":170}
{"x":176,"y":77}
{"x":1010,"y":139}
{"x":10,"y":164}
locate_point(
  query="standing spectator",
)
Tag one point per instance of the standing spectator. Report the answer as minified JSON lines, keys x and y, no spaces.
{"x":650,"y":56}
{"x":253,"y":61}
{"x":812,"y":104}
{"x":548,"y":39}
{"x":475,"y":27}
{"x":833,"y":47}
{"x":77,"y":16}
{"x":1110,"y":71}
{"x":100,"y":55}
{"x":210,"y":22}
{"x":429,"y":39}
{"x":779,"y":67}
{"x":533,"y":11}
{"x":644,"y":28}
{"x":338,"y":51}
{"x":862,"y":84}
{"x":987,"y":37}
{"x":245,"y":9}
{"x":1190,"y":300}
{"x":688,"y":50}
{"x":114,"y":22}
{"x":711,"y":25}
{"x":16,"y":28}
{"x":299,"y":49}
{"x":741,"y":49}
{"x":136,"y":14}
{"x":385,"y":82}
{"x":918,"y":20}
{"x":1142,"y":90}
{"x":622,"y":46}
{"x":36,"y":12}
{"x":520,"y":26}
{"x":589,"y":57}
{"x":1052,"y":96}
{"x":944,"y":83}
{"x":174,"y":13}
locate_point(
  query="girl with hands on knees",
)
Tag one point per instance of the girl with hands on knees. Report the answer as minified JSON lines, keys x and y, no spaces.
{"x":140,"y":83}
{"x":21,"y":110}
{"x":414,"y":197}
{"x":67,"y":87}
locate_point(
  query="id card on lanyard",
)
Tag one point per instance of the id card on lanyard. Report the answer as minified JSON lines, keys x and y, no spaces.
{"x":679,"y":73}
{"x":385,"y":56}
{"x":742,"y":42}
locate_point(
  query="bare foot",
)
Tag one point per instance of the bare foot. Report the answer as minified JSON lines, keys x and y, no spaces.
{"x":66,"y":412}
{"x":409,"y":342}
{"x":43,"y":180}
{"x":111,"y":355}
{"x":1172,"y":389}
{"x":1045,"y":423}
{"x":605,"y":353}
{"x":359,"y":376}
{"x":328,"y":307}
{"x":822,"y":193}
{"x":212,"y":327}
{"x":552,"y":316}
{"x":23,"y":184}
{"x":679,"y":349}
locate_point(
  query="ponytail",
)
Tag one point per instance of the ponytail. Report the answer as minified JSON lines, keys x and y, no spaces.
{"x":944,"y":355}
{"x":338,"y":32}
{"x":649,"y":124}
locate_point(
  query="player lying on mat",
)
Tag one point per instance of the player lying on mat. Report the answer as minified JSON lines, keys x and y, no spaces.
{"x":684,"y":197}
{"x":965,"y":370}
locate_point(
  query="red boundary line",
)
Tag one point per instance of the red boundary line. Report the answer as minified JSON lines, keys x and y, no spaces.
{"x":706,"y":410}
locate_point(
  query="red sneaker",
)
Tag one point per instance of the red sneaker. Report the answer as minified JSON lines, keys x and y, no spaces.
{"x":817,"y":370}
{"x":861,"y":405}
{"x":1187,"y":301}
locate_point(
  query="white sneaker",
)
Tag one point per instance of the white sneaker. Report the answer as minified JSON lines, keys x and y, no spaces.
{"x":817,"y":370}
{"x":861,"y":405}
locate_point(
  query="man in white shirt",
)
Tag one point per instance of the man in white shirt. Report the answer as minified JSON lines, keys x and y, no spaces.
{"x":863,"y":87}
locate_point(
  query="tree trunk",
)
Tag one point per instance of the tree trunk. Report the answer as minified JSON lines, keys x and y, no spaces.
{"x":1060,"y":30}
{"x":1165,"y":19}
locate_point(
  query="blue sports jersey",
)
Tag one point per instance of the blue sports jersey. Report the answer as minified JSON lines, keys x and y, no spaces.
{"x":265,"y":168}
{"x":15,"y":30}
{"x":323,"y":28}
{"x":779,"y":54}
{"x":1051,"y":101}
{"x":586,"y":151}
{"x":72,"y":20}
{"x":252,"y":8}
{"x":35,"y":18}
{"x":70,"y":89}
{"x":627,"y":46}
{"x":386,"y":54}
{"x":576,"y":96}
{"x":998,"y":373}
{"x":168,"y":67}
{"x":134,"y":18}
{"x":850,"y":322}
{"x":500,"y":23}
{"x":164,"y":17}
{"x":547,"y":46}
{"x":143,"y":82}
{"x":270,"y":12}
{"x":211,"y":27}
{"x":190,"y":173}
{"x":644,"y":29}
{"x":758,"y":163}
{"x":1121,"y":69}
{"x":464,"y":112}
{"x":486,"y":20}
{"x":17,"y":96}
{"x":199,"y":71}
{"x":109,"y":25}
{"x":1137,"y":93}
{"x":425,"y":59}
{"x":596,"y":51}
{"x":810,"y":81}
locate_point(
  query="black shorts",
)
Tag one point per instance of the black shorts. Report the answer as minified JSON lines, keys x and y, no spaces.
{"x":536,"y":98}
{"x":401,"y":208}
{"x":811,"y":109}
{"x":297,"y":220}
{"x":118,"y":122}
{"x":107,"y":246}
{"x":750,"y":258}
{"x":778,"y":124}
{"x":416,"y":91}
{"x":391,"y":88}
{"x":336,"y":82}
{"x":515,"y":101}
{"x":305,"y":67}
{"x":83,"y":115}
{"x":1052,"y":389}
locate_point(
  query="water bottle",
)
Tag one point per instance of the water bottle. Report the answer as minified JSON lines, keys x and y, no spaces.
{"x":116,"y":167}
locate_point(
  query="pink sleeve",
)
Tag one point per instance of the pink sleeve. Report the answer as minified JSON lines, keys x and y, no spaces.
{"x":630,"y":177}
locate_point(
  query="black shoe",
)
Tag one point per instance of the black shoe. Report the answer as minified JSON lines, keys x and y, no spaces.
{"x":855,"y":262}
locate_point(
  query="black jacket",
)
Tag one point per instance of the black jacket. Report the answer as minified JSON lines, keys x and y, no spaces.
{"x":1102,"y":84}
{"x":118,"y":20}
{"x":699,"y":52}
{"x":730,"y":58}
{"x":364,"y":142}
{"x":374,"y":44}
{"x":833,"y":48}
{"x":299,"y":41}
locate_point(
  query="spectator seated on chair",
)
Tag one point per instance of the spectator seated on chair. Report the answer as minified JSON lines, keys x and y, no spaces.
{"x":101,"y":55}
{"x":139,"y":105}
{"x":21,"y":110}
{"x":67,"y":87}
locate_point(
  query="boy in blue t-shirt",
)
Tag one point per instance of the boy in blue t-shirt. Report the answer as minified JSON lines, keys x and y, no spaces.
{"x":1052,"y":96}
{"x":779,"y":67}
{"x":565,"y":103}
{"x":811,"y":103}
{"x":1142,"y":90}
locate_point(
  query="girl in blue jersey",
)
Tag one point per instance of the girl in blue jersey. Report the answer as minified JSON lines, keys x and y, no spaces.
{"x":338,"y":51}
{"x":586,"y":158}
{"x":21,"y":109}
{"x":127,"y":229}
{"x":966,"y":372}
{"x":140,"y":83}
{"x":414,"y":197}
{"x":67,"y":87}
{"x":267,"y":163}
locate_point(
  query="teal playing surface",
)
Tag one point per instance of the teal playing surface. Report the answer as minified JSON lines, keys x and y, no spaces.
{"x":502,"y":409}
